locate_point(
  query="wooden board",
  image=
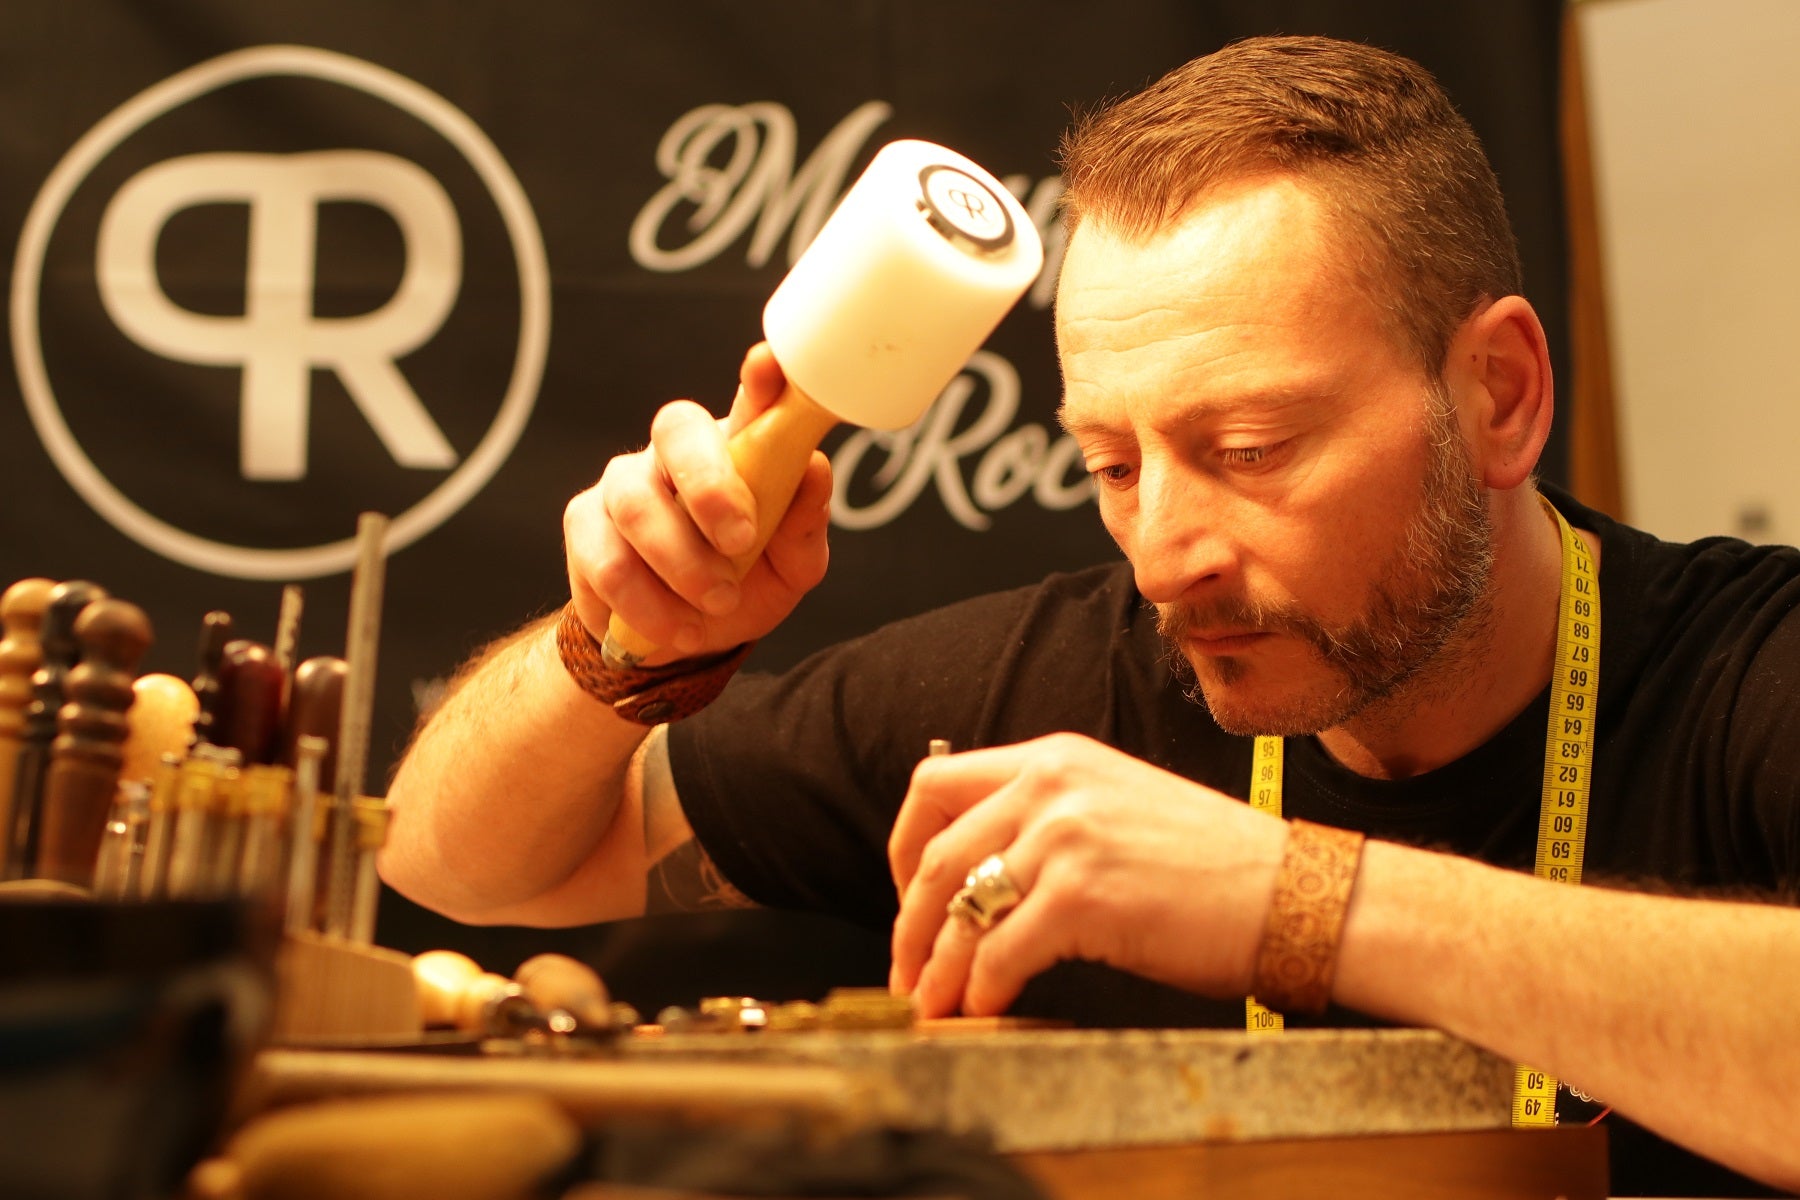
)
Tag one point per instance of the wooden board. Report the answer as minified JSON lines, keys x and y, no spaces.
{"x":1490,"y":1165}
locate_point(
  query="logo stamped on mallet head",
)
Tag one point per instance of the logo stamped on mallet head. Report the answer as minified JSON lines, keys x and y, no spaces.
{"x":964,"y":209}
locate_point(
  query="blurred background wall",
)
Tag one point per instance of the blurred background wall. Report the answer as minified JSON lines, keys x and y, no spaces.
{"x":1694,"y":110}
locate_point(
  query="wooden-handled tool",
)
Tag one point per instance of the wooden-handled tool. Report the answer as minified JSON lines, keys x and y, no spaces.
{"x":556,"y":982}
{"x":215,"y":632}
{"x":315,"y":708}
{"x":60,"y":652}
{"x":252,"y":691}
{"x":21,"y":653}
{"x":89,"y":747}
{"x":921,"y":259}
{"x":445,"y":1145}
{"x":455,"y":993}
{"x":161,"y":721}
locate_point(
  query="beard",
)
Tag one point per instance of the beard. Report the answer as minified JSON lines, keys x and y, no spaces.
{"x":1433,"y":592}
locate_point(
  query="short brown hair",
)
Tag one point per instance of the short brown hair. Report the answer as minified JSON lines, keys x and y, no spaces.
{"x":1374,"y":132}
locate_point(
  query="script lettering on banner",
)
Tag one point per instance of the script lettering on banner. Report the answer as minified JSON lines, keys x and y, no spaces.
{"x":732,"y":168}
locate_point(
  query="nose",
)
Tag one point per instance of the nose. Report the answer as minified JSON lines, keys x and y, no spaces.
{"x":1180,"y":543}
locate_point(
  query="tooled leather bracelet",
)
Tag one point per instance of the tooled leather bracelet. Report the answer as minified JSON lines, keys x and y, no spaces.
{"x":647,"y":695}
{"x":1299,"y":947}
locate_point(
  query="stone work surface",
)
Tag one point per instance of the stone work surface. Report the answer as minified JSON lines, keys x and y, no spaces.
{"x":1080,"y":1089}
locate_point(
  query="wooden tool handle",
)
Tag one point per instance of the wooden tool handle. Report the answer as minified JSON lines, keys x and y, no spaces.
{"x":88,"y":751}
{"x":215,"y":632}
{"x":162,"y":722}
{"x":21,"y":653}
{"x":454,"y":991}
{"x":556,"y":981}
{"x":315,"y":709}
{"x":442,"y":978}
{"x":771,"y":454}
{"x":825,"y":1097}
{"x":449,"y":1146}
{"x":248,"y":716}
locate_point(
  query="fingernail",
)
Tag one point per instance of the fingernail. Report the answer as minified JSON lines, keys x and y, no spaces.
{"x":737,"y":535}
{"x":721,"y":599}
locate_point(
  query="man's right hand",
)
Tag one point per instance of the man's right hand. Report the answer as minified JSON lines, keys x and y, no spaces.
{"x":653,"y":540}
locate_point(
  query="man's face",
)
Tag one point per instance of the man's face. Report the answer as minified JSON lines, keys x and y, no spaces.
{"x":1294,"y":495}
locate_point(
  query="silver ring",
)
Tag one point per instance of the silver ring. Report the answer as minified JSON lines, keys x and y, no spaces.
{"x":988,"y":894}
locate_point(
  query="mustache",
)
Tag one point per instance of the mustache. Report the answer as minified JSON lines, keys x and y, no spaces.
{"x":1347,"y":648}
{"x":1176,"y":621}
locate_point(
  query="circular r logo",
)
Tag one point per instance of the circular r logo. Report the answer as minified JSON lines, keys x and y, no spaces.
{"x":281,"y":343}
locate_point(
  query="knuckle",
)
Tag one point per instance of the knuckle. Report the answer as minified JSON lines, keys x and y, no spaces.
{"x":1055,"y":758}
{"x":1067,"y":827}
{"x":635,"y":510}
{"x":619,"y":471}
{"x":672,"y":418}
{"x":1065,"y":751}
{"x":577,"y":508}
{"x":610,"y":575}
{"x":935,"y":866}
{"x":586,"y":511}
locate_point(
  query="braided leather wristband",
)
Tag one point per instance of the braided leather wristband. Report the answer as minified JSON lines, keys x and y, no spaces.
{"x":647,"y":695}
{"x":1299,"y":947}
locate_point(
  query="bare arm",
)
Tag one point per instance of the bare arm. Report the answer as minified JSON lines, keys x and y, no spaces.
{"x":514,"y":803}
{"x":592,"y":831}
{"x":523,"y":799}
{"x":1678,"y":1012}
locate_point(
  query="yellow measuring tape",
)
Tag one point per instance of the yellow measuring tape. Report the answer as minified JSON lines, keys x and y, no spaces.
{"x":1568,"y":771}
{"x":1568,"y":767}
{"x":1265,"y":796}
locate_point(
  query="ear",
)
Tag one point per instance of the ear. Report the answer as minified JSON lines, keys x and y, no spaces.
{"x":1498,"y":368}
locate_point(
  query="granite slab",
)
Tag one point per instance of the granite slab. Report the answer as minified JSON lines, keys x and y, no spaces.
{"x":1083,"y":1089}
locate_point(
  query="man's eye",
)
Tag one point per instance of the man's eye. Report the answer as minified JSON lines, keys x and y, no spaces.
{"x":1113,"y":474}
{"x":1243,"y":455}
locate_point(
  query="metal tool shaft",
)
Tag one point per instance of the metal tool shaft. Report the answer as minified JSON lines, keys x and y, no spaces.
{"x":362,"y":643}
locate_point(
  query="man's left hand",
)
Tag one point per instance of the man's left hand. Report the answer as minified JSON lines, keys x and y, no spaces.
{"x":1117,"y":861}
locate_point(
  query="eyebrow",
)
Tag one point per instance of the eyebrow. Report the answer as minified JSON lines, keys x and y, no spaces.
{"x":1076,"y":426}
{"x":1269,"y":400}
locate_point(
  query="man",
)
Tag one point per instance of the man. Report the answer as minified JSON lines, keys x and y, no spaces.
{"x":1300,"y":372}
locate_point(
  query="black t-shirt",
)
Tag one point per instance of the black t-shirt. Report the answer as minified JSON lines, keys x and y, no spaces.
{"x":791,"y":783}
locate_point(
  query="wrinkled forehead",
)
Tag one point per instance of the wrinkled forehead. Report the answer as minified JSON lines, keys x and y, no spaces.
{"x":1247,"y":305}
{"x":1257,"y":251}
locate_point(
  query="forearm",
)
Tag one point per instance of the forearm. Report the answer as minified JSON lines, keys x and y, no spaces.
{"x":515,"y":801}
{"x":1677,"y":1012}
